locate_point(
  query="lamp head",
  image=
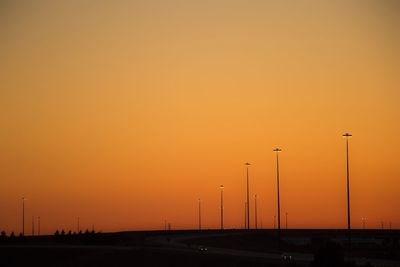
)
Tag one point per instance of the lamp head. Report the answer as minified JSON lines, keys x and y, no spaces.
{"x":277,"y":150}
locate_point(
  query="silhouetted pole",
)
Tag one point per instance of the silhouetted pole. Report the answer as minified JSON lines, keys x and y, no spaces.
{"x":23,"y":216}
{"x":245,"y":215}
{"x":33,"y":225}
{"x":255,"y":210}
{"x":274,"y":221}
{"x":248,"y":197}
{"x":199,"y":214}
{"x":277,"y":150}
{"x":363,"y":221}
{"x":165,"y":225}
{"x":222,"y":206}
{"x":286,"y":219}
{"x":38,"y":225}
{"x":347,"y":136}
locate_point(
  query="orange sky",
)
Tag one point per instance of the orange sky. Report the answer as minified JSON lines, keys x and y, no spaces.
{"x":124,"y":113}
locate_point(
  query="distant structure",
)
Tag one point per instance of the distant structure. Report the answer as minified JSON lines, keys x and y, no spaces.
{"x":286,"y":220}
{"x":199,"y":214}
{"x":245,"y":215}
{"x":221,"y":187}
{"x":23,"y":216}
{"x":277,"y":151}
{"x":38,"y":225}
{"x":347,"y":136}
{"x":33,"y":225}
{"x":248,"y":197}
{"x":255,"y":210}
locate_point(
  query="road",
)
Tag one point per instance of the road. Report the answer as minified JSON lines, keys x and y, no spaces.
{"x":178,"y":241}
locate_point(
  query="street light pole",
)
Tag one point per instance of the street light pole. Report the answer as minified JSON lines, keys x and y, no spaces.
{"x":347,"y":136}
{"x":277,"y":150}
{"x":33,"y":225}
{"x":222,"y":206}
{"x":286,"y":220}
{"x":245,"y":215}
{"x":255,"y":210}
{"x":199,"y":214}
{"x":23,"y":216}
{"x":248,"y":197}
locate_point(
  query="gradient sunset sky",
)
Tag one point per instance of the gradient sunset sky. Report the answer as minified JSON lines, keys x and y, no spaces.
{"x":124,"y":113}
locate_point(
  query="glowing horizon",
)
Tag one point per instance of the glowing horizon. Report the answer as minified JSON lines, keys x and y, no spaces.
{"x":125,"y":114}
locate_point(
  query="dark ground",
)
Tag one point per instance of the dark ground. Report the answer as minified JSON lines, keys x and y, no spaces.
{"x":136,"y":249}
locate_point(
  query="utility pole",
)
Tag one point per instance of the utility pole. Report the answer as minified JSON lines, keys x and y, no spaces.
{"x":222,"y":206}
{"x":286,"y":220}
{"x":33,"y":225}
{"x":245,"y":215}
{"x":255,"y":210}
{"x":277,"y":151}
{"x":248,"y":197}
{"x":347,"y":136}
{"x":23,"y":216}
{"x":199,"y":214}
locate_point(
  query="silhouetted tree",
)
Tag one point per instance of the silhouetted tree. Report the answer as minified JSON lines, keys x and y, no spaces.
{"x":3,"y":234}
{"x":62,"y":232}
{"x":12,"y":235}
{"x":57,"y":233}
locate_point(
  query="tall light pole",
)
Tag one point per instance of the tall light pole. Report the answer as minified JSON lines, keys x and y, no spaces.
{"x":23,"y":216}
{"x":248,"y":197}
{"x":286,"y":219}
{"x":277,"y":150}
{"x":255,"y":210}
{"x":199,"y":214}
{"x":33,"y":225}
{"x":221,"y":187}
{"x":347,"y":136}
{"x":245,"y":215}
